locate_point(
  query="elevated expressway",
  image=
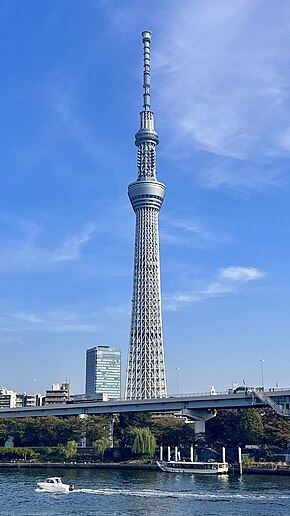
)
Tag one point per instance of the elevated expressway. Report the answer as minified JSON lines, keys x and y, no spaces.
{"x":196,"y":407}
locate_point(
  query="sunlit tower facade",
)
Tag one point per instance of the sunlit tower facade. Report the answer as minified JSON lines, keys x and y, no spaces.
{"x":146,"y":367}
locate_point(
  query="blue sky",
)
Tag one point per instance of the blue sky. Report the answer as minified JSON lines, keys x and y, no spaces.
{"x":70,"y":99}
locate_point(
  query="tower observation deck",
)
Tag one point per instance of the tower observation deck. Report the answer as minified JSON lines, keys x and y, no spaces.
{"x":146,"y":368}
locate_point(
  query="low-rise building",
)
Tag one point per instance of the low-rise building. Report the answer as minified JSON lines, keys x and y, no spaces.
{"x":98,"y":396}
{"x":7,"y":398}
{"x":59,"y":393}
{"x":29,"y":400}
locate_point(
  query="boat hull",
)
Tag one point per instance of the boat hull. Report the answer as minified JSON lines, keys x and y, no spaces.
{"x":197,"y":468}
{"x":52,"y":488}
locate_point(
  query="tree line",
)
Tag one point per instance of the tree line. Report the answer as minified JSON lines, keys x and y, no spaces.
{"x":139,"y":435}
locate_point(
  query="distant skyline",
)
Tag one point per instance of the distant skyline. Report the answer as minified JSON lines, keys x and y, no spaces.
{"x":70,"y":103}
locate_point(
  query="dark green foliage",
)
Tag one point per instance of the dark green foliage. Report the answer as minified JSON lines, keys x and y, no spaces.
{"x":172,"y":431}
{"x":276,"y":429}
{"x":136,"y":435}
{"x":142,"y":442}
{"x":124,"y":422}
{"x":69,"y":450}
{"x":250,"y":427}
{"x":236,"y":428}
{"x":53,"y":431}
{"x":100,"y":446}
{"x":95,"y":427}
{"x":18,"y":454}
{"x":118,"y":454}
{"x":50,"y":454}
{"x":137,"y":419}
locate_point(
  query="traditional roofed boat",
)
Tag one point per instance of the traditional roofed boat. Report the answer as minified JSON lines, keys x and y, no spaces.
{"x":206,"y":468}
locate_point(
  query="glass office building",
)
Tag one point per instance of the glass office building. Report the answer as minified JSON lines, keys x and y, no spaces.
{"x":103,"y":371}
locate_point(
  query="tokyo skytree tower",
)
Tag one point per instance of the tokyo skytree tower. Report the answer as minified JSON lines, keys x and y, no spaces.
{"x":146,"y":367}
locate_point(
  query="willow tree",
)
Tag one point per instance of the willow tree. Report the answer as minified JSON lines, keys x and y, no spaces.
{"x":100,"y":446}
{"x":143,"y":442}
{"x":70,"y":449}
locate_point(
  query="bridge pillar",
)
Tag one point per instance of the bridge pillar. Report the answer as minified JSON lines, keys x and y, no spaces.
{"x":199,"y":417}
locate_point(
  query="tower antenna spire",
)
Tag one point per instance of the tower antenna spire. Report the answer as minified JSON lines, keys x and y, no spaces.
{"x":146,"y":36}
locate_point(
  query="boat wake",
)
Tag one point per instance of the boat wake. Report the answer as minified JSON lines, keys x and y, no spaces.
{"x":38,"y":490}
{"x":181,"y":494}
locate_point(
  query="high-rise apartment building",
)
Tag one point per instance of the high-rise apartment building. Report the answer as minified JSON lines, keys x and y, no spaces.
{"x":103,"y":371}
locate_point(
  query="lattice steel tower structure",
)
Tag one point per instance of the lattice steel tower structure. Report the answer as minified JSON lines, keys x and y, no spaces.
{"x":146,"y":367}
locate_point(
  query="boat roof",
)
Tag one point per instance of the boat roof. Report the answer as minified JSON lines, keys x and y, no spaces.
{"x":53,"y":478}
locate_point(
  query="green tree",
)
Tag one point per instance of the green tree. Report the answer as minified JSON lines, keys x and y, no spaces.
{"x":276,"y":429}
{"x":3,"y":432}
{"x":100,"y":446}
{"x":70,"y":449}
{"x":125,"y":422}
{"x":53,"y":431}
{"x":18,"y":453}
{"x":250,"y":427}
{"x":14,"y":427}
{"x":143,"y":442}
{"x":43,"y":431}
{"x":96,"y":427}
{"x":173,"y":431}
{"x":235,"y":427}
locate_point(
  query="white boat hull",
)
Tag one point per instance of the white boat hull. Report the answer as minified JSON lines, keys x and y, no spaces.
{"x":52,"y":488}
{"x":200,"y":468}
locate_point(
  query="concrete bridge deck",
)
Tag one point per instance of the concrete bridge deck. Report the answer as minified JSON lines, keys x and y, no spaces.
{"x":194,"y":402}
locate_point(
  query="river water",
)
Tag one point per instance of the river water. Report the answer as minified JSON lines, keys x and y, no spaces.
{"x":117,"y":492}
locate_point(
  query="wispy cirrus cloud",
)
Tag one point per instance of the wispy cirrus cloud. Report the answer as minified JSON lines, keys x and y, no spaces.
{"x":70,"y":249}
{"x":22,"y":247}
{"x":224,"y":85}
{"x":117,"y":310}
{"x":229,"y":281}
{"x":66,"y":117}
{"x":241,"y":274}
{"x":190,"y":231}
{"x":54,"y":321}
{"x":241,"y":176}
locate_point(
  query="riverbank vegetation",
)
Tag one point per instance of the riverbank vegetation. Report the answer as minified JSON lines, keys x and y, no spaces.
{"x":136,"y":436}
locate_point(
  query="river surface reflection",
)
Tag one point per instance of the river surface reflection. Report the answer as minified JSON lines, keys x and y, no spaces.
{"x":145,"y":493}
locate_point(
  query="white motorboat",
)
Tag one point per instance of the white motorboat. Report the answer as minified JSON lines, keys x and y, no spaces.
{"x":55,"y":485}
{"x":206,"y":468}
